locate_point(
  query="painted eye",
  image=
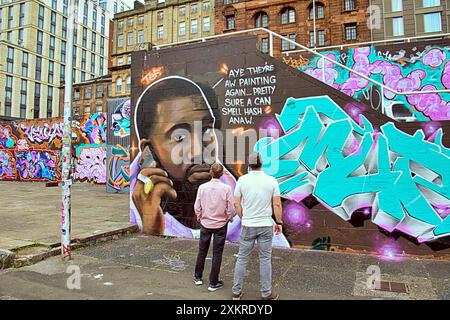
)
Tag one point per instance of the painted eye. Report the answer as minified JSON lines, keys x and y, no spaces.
{"x":179,"y":137}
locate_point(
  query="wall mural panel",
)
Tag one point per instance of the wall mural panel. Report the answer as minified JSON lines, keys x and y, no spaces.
{"x":118,"y":148}
{"x":405,"y":68}
{"x":30,"y":149}
{"x":350,"y":177}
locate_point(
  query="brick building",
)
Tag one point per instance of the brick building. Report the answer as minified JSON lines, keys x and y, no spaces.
{"x":89,"y":96}
{"x":336,"y":21}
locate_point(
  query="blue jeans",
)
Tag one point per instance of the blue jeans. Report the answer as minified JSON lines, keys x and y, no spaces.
{"x":263,"y":236}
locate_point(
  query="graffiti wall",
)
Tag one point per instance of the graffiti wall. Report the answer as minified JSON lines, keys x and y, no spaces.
{"x":30,"y":150}
{"x":402,"y":67}
{"x":118,"y":148}
{"x":350,"y":177}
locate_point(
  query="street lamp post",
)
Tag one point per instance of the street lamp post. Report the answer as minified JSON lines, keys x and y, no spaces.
{"x":67,"y":142}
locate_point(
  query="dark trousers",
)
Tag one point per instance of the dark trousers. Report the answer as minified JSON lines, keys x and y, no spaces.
{"x":218,"y":245}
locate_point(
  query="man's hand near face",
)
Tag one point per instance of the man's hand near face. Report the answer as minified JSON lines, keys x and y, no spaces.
{"x":149,"y":205}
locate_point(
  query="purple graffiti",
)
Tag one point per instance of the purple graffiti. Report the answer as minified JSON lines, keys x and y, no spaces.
{"x":296,"y":216}
{"x":7,"y":170}
{"x":434,"y":58}
{"x":37,"y":165}
{"x":91,"y":165}
{"x":43,"y":133}
{"x":416,"y":78}
{"x":95,"y":128}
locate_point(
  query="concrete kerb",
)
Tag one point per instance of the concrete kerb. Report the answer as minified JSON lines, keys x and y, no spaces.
{"x":55,"y":249}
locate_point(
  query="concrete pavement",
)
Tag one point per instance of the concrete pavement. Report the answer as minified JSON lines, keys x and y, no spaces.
{"x":30,"y":213}
{"x":142,"y":267}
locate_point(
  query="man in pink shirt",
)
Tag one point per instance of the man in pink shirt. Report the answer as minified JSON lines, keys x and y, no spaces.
{"x":214,"y":209}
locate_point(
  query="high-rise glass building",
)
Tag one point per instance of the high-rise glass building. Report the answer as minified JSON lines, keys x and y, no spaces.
{"x":33,"y":52}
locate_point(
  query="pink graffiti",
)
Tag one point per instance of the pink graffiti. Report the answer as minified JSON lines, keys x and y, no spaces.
{"x":446,"y":76}
{"x":91,"y":165}
{"x":431,"y":105}
{"x":434,"y":58}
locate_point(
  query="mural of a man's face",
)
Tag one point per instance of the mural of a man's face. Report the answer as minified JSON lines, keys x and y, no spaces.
{"x":173,"y":129}
{"x":183,"y":124}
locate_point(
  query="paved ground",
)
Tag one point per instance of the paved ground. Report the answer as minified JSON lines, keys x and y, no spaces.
{"x":30,"y":213}
{"x":141,"y":267}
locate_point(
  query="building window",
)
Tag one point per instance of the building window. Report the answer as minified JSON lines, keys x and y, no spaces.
{"x":431,"y":3}
{"x":120,"y":40}
{"x":20,"y":36}
{"x":194,"y":8}
{"x":53,"y":22}
{"x":349,"y":5}
{"x":312,"y":41}
{"x":62,"y":72}
{"x":64,"y":28}
{"x":119,"y":85}
{"x":23,"y":98}
{"x":37,"y":100}
{"x":182,"y":29}
{"x":194,"y":26}
{"x":25,"y":64}
{"x":76,"y":95}
{"x":22,"y":15}
{"x":92,"y":62}
{"x":50,"y":102}
{"x":87,"y":93}
{"x":94,"y":19}
{"x":93,"y":42}
{"x":10,"y":61}
{"x":397,"y":26}
{"x":120,"y":25}
{"x":287,"y":16}
{"x":38,"y":73}
{"x":182,"y":11}
{"x":8,"y":95}
{"x":321,"y":38}
{"x":160,"y":15}
{"x":10,"y":17}
{"x":51,"y":67}
{"x":206,"y":24}
{"x":52,"y":47}
{"x":265,"y":45}
{"x":160,"y":33}
{"x":63,"y":51}
{"x":286,"y":45}
{"x":350,"y":32}
{"x":206,"y":5}
{"x":84,"y":37}
{"x":99,"y":91}
{"x":397,"y":5}
{"x":99,"y":108}
{"x":87,"y":109}
{"x":141,"y":20}
{"x":141,"y":36}
{"x":130,"y":40}
{"x":41,"y":17}
{"x":320,"y":11}
{"x":432,"y":22}
{"x":120,"y":61}
{"x":128,"y":83}
{"x":40,"y":36}
{"x":230,"y":22}
{"x":261,"y":20}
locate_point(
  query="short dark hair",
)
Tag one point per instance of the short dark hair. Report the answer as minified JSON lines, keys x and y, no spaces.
{"x":254,"y":161}
{"x":169,"y":89}
{"x":216,"y":170}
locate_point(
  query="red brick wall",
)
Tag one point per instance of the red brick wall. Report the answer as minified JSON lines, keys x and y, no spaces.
{"x":332,"y":23}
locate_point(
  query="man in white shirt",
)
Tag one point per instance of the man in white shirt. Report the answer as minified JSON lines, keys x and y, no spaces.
{"x":256,"y":197}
